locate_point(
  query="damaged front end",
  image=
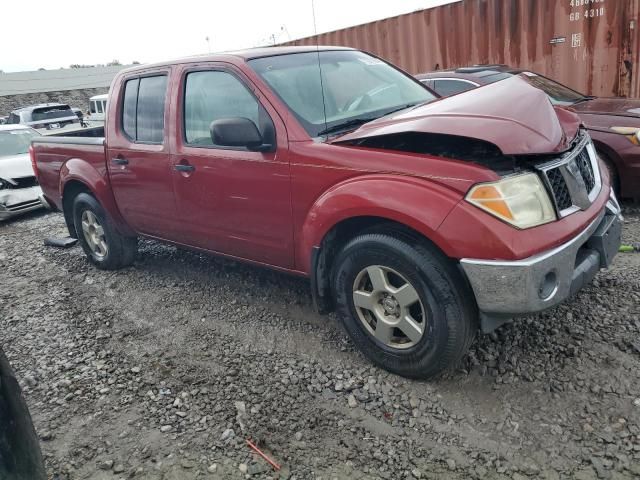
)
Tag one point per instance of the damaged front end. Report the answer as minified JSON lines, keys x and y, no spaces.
{"x":548,"y":169}
{"x":20,"y":195}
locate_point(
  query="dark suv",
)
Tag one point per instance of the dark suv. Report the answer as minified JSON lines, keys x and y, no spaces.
{"x":48,"y":116}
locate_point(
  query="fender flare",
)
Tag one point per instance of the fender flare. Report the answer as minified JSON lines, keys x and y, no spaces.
{"x":417,"y":203}
{"x":97,"y":182}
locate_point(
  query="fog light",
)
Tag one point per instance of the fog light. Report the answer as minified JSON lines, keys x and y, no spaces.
{"x":548,"y":286}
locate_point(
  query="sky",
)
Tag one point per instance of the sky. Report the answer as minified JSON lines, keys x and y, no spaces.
{"x":53,"y":34}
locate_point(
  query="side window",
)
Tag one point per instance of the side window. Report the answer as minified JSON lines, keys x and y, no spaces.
{"x":92,"y":106}
{"x":213,"y":95}
{"x":451,"y":87}
{"x":143,"y":109}
{"x":129,"y":108}
{"x":150,"y":113}
{"x":428,"y":83}
{"x":99,"y":104}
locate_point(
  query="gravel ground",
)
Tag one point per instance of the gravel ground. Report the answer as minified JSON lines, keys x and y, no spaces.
{"x":163,"y":370}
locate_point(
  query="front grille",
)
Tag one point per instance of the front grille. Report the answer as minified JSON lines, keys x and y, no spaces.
{"x":16,"y":207}
{"x":24,"y":182}
{"x":559,"y":189}
{"x":586,"y":170}
{"x":573,"y":180}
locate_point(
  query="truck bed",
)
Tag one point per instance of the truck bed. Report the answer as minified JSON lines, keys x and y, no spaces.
{"x":69,"y":157}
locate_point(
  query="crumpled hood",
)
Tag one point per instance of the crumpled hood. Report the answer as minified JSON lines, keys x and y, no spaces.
{"x":16,"y":166}
{"x":627,"y":107}
{"x":516,"y":117}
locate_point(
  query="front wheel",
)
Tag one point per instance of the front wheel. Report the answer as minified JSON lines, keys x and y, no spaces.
{"x":404,"y":304}
{"x":104,"y":246}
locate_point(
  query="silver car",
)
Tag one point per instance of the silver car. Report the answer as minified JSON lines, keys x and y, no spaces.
{"x":19,"y":190}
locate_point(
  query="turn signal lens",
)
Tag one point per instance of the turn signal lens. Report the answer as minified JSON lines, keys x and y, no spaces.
{"x":520,"y":200}
{"x":632,"y":133}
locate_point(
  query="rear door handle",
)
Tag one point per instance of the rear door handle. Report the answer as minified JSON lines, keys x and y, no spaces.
{"x":184,"y":168}
{"x":120,"y":161}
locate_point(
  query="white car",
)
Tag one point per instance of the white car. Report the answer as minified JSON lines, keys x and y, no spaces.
{"x":19,"y":190}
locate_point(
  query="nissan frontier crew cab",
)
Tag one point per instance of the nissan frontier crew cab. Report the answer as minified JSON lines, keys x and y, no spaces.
{"x":416,"y":219}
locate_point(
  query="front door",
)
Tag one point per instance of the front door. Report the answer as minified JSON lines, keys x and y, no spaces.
{"x":231,"y":200}
{"x":138,"y":157}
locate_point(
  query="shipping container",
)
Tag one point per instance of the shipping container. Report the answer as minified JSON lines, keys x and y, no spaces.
{"x":589,"y":45}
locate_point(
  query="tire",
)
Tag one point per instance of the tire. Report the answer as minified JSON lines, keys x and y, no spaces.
{"x":104,"y":246}
{"x":20,"y":456}
{"x":444,"y":310}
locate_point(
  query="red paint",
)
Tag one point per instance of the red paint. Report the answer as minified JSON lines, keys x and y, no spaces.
{"x":273,"y":208}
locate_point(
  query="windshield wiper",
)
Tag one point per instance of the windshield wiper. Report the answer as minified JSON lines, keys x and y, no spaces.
{"x":584,"y":99}
{"x":404,"y":107}
{"x":354,"y":122}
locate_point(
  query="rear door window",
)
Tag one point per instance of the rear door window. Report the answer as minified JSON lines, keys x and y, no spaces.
{"x":51,"y":113}
{"x":143,"y":109}
{"x":451,"y":87}
{"x":129,"y":108}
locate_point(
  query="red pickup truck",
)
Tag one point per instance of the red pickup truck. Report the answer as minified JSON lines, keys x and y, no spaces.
{"x":416,"y":219}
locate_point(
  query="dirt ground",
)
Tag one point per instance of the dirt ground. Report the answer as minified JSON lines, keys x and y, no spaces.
{"x":164,"y":369}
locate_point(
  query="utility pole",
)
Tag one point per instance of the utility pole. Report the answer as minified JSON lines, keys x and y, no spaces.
{"x":208,"y":44}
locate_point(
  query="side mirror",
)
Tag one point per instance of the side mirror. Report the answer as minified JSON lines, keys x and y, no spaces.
{"x":238,"y":132}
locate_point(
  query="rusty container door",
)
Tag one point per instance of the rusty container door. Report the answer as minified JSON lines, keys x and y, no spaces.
{"x":589,"y":45}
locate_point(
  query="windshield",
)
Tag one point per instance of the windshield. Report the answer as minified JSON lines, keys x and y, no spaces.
{"x":356,"y":87}
{"x":558,"y":94}
{"x":16,"y":142}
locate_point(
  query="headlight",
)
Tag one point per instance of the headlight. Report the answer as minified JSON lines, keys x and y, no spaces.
{"x":521,"y":200}
{"x":632,"y":133}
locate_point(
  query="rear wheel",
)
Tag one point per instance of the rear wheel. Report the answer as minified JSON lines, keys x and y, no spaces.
{"x":404,"y":305}
{"x":104,"y":246}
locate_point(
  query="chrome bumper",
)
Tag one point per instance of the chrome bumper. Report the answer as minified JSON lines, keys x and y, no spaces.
{"x":18,"y":201}
{"x":505,"y":289}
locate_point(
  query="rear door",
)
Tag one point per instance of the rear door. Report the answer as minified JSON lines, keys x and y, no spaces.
{"x":230,"y":199}
{"x":138,"y":156}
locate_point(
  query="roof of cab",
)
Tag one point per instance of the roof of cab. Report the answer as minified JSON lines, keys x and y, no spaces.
{"x":248,"y":54}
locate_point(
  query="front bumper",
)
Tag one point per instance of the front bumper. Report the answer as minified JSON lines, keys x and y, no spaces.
{"x":505,"y":289}
{"x":20,"y":200}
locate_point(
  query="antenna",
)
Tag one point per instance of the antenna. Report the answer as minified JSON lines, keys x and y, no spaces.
{"x":315,"y":31}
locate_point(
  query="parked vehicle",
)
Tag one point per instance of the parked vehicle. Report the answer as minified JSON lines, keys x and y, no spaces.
{"x":413,"y":218}
{"x":20,"y":456}
{"x":19,"y":190}
{"x":47,"y":116}
{"x":78,"y":112}
{"x":613,"y":123}
{"x":97,"y":110}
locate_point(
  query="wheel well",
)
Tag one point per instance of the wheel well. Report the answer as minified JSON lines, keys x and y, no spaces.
{"x":70,"y":192}
{"x":335,"y":239}
{"x":610,"y":158}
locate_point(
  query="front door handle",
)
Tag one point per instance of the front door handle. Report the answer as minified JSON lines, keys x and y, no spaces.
{"x":120,"y":161}
{"x":181,"y":167}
